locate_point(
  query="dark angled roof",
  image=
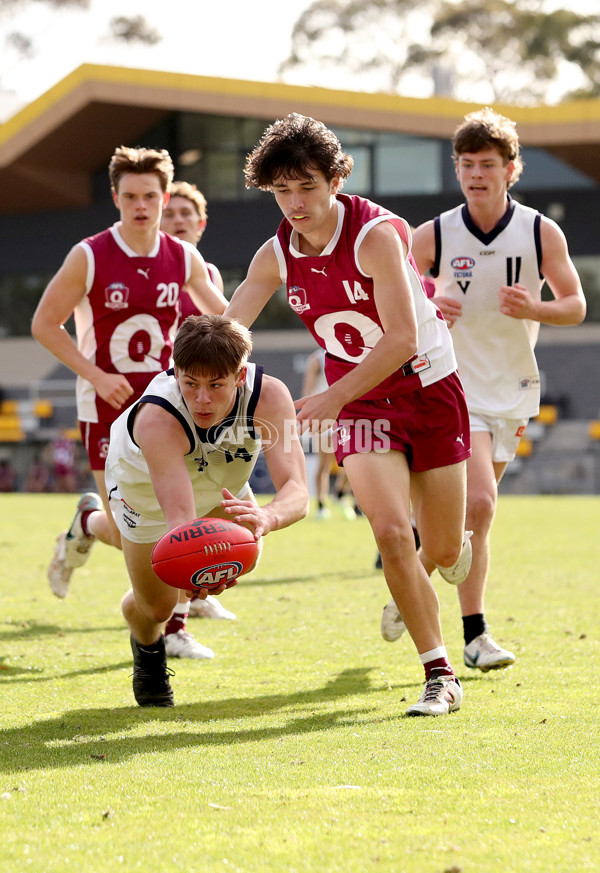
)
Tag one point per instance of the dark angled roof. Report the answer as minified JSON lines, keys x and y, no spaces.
{"x":52,"y":147}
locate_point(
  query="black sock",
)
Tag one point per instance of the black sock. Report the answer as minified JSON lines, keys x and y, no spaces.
{"x":473,"y":626}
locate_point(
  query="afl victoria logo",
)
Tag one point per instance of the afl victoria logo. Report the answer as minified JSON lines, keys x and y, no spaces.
{"x":462,"y":263}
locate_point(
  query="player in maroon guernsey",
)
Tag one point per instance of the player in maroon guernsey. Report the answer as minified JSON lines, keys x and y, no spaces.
{"x":185,"y":217}
{"x":394,"y":397}
{"x":123,"y":287}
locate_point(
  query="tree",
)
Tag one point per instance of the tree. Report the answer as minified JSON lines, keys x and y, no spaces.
{"x":523,"y":51}
{"x":127,"y":29}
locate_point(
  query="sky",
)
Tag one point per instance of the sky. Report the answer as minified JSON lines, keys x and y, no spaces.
{"x":223,"y":38}
{"x":227,"y":38}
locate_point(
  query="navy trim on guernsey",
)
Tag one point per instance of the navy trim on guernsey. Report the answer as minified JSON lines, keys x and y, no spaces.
{"x":252,"y":403}
{"x":487,"y":238}
{"x":537,"y":235}
{"x":168,"y":407}
{"x":437,"y":231}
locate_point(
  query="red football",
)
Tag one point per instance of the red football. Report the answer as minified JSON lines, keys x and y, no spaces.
{"x":204,"y":553}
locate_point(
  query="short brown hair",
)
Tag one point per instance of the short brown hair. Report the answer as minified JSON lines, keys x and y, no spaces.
{"x":487,"y":129}
{"x":192,"y":193}
{"x":140,"y":160}
{"x":293,"y":147}
{"x":211,"y":344}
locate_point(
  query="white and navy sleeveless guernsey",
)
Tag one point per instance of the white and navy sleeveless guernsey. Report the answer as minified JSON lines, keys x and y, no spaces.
{"x":221,"y":456}
{"x":495,"y":352}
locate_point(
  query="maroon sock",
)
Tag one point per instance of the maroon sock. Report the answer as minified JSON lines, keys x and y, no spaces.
{"x":176,"y":623}
{"x":438,"y":667}
{"x":84,"y":522}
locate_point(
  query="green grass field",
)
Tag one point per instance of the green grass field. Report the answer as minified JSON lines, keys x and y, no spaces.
{"x":291,"y":751}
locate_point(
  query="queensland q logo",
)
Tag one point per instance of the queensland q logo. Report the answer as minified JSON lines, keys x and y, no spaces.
{"x":463,"y":263}
{"x":216,"y":574}
{"x":116,"y":295}
{"x":297,"y":299}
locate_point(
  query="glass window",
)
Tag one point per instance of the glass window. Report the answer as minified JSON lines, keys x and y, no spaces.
{"x":361,"y":181}
{"x":409,"y":166}
{"x":543,"y":170}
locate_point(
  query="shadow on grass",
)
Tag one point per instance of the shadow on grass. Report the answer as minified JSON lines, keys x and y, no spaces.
{"x":32,"y":630}
{"x":84,"y":736}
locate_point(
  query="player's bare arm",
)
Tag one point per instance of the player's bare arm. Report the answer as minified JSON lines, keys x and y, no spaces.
{"x":155,"y":429}
{"x":423,"y":251}
{"x":258,"y":287}
{"x":382,"y":256}
{"x":275,"y":418}
{"x":568,"y":306}
{"x":205,"y":294}
{"x":63,"y":293}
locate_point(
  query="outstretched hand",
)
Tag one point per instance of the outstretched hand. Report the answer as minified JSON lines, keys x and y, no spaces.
{"x":248,"y":513}
{"x":316,"y":412}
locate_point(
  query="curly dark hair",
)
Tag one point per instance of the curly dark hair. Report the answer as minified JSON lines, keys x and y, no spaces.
{"x":294,"y":147}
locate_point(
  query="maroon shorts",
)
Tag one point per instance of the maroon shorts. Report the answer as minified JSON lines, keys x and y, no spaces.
{"x":430,"y":425}
{"x":95,"y":438}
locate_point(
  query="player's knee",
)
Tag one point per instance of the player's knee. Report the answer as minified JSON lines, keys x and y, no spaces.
{"x":481,"y":508}
{"x":444,"y":554}
{"x":393,"y":536}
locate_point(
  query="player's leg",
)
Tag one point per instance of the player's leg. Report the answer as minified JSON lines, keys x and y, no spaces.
{"x":92,"y":520}
{"x":101,"y":524}
{"x":322,"y":476}
{"x":146,"y":607}
{"x":438,"y":497}
{"x":381,"y":483}
{"x":483,"y":476}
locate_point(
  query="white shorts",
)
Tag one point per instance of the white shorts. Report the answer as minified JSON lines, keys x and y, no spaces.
{"x":141,"y":529}
{"x":506,"y":434}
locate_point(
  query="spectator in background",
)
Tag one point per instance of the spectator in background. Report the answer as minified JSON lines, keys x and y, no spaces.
{"x":38,"y":477}
{"x":8,"y":476}
{"x":64,"y":467}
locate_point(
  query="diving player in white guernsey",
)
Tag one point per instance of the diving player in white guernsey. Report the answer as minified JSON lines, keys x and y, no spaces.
{"x":186,"y":450}
{"x":490,"y":258}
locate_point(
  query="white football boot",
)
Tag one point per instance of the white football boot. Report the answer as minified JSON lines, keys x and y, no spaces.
{"x":459,"y":571}
{"x":72,"y":547}
{"x":392,"y":624}
{"x":441,"y":695}
{"x":210,"y":608}
{"x":483,"y":653}
{"x":183,"y":645}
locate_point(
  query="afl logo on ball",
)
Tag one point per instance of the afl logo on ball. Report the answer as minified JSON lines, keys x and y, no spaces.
{"x":216,"y":575}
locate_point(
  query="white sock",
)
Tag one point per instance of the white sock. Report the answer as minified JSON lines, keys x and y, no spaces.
{"x":433,"y":654}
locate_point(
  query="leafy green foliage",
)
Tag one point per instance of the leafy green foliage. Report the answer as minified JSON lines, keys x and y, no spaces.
{"x":520,"y":48}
